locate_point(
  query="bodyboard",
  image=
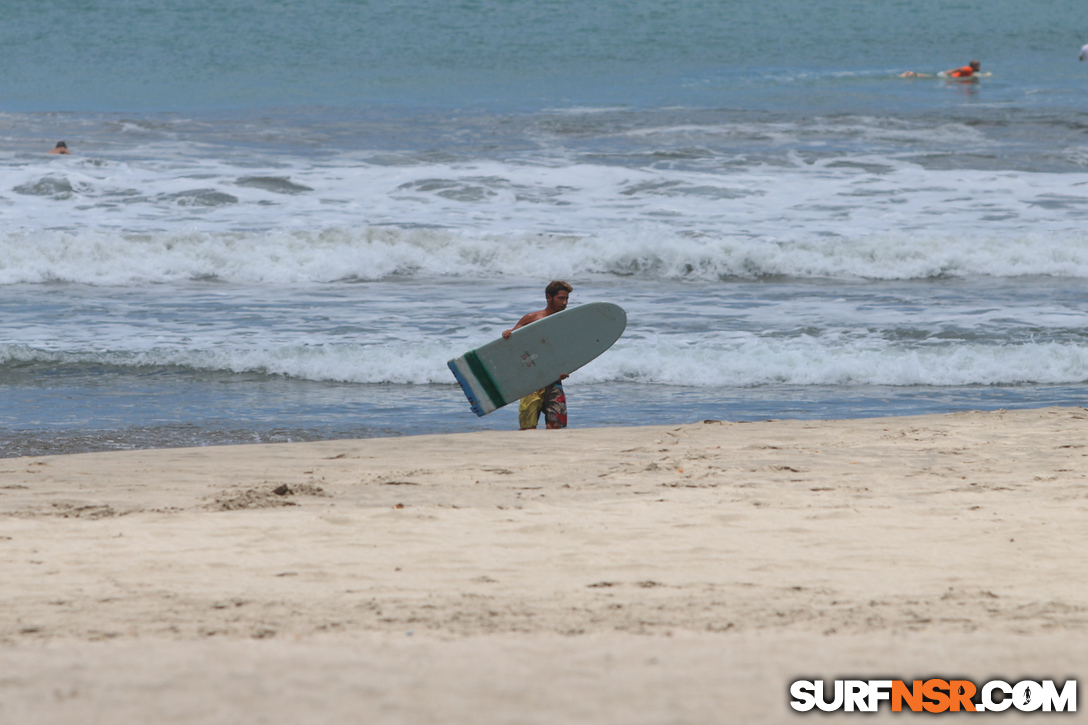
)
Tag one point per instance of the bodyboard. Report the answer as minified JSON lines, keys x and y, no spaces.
{"x":503,"y":371}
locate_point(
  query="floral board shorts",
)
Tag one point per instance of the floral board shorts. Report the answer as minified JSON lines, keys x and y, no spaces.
{"x":551,"y":401}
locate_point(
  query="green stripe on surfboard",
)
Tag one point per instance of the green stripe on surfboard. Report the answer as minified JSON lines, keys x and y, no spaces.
{"x":484,"y":379}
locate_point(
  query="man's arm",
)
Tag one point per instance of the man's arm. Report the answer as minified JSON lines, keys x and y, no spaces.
{"x":531,"y":317}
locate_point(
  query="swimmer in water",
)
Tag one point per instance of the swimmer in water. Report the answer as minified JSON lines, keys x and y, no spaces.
{"x":966,"y":71}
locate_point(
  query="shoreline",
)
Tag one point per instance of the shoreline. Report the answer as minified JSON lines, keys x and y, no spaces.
{"x":771,"y":549}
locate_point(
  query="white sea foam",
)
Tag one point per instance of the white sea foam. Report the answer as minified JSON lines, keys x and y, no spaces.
{"x":865,"y":181}
{"x":807,"y":362}
{"x":753,"y":363}
{"x":646,"y":251}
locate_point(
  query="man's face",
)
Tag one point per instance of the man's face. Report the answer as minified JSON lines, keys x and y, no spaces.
{"x":559,"y":300}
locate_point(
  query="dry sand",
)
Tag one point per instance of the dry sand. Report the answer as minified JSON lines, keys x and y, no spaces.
{"x":681,"y":574}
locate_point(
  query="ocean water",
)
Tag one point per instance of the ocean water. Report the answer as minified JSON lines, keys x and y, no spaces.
{"x":279,"y":220}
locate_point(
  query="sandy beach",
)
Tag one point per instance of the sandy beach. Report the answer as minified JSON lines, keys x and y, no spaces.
{"x":680,"y":574}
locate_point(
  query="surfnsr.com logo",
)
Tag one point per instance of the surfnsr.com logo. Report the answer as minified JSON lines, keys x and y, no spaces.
{"x":933,"y":696}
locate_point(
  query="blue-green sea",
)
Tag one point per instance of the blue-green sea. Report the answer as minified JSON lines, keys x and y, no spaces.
{"x":278,"y":220}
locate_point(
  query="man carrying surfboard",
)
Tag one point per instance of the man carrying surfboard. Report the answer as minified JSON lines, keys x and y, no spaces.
{"x":527,"y":363}
{"x":551,"y":400}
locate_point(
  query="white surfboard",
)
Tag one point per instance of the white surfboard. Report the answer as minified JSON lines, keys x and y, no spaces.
{"x":503,"y":371}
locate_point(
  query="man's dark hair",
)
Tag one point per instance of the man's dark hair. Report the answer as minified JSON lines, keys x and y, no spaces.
{"x":553,"y":289}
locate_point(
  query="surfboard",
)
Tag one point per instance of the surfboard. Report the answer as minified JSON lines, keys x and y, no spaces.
{"x":974,"y":77}
{"x":534,"y":356}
